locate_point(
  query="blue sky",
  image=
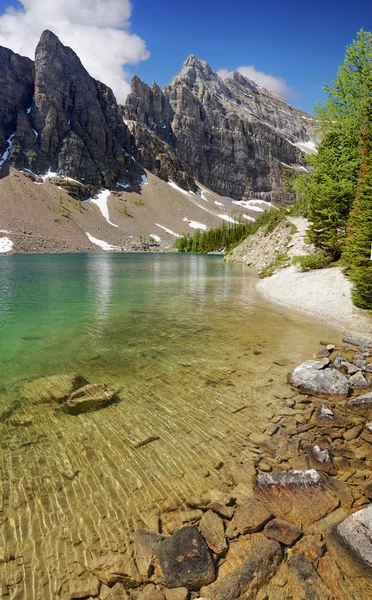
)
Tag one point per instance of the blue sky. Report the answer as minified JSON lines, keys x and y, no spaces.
{"x":300,"y":42}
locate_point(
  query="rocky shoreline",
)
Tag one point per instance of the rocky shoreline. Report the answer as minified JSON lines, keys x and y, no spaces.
{"x":291,"y":517}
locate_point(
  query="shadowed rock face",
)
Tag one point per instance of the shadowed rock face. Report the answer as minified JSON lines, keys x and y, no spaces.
{"x":233,"y":135}
{"x":16,"y":90}
{"x":74,"y":126}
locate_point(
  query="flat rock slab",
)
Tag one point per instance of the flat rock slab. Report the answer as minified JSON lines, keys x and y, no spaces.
{"x":250,"y":564}
{"x":57,"y":387}
{"x":327,"y":417}
{"x":117,"y":568}
{"x":300,"y":497}
{"x":251,"y":517}
{"x":88,"y":398}
{"x":282,"y":531}
{"x":321,"y":459}
{"x":311,"y":378}
{"x":184,"y":560}
{"x":356,"y":533}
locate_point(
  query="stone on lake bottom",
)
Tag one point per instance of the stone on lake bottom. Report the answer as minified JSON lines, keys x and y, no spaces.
{"x":301,"y":497}
{"x":310,"y":378}
{"x":144,"y":545}
{"x":249,"y":565}
{"x":356,"y":533}
{"x":56,"y":387}
{"x":176,"y":593}
{"x":184,"y":560}
{"x":212,"y":529}
{"x":282,"y":531}
{"x":88,"y":398}
{"x":118,"y":592}
{"x":117,"y":568}
{"x":251,"y":517}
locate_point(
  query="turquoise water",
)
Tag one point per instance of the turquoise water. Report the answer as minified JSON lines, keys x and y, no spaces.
{"x":200,"y":361}
{"x":63,"y":312}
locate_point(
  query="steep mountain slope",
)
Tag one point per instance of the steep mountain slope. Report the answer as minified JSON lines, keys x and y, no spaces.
{"x":72,"y":124}
{"x":233,"y":135}
{"x":214,"y":149}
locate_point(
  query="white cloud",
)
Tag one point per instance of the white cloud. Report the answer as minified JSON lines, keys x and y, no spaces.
{"x":275,"y":84}
{"x":97,"y":30}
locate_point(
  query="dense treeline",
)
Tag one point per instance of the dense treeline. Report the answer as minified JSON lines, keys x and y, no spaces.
{"x":336,"y":193}
{"x":228,"y":235}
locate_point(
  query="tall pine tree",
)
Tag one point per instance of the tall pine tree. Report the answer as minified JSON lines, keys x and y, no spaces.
{"x":328,"y":190}
{"x":357,"y":251}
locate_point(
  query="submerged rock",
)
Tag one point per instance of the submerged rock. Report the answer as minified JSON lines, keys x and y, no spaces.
{"x":145,"y":543}
{"x":184,"y":560}
{"x":320,"y":458}
{"x":57,"y":387}
{"x":356,"y":533}
{"x":251,"y":517}
{"x":212,"y":530}
{"x":250,"y":564}
{"x":117,"y":568}
{"x":300,"y":497}
{"x":88,"y":398}
{"x":282,"y":531}
{"x":311,"y":378}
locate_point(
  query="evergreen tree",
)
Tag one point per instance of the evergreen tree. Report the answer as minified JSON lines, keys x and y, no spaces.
{"x":328,"y":190}
{"x":357,"y":252}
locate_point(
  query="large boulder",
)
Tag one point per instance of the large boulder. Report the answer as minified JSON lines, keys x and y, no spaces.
{"x":300,"y":497}
{"x":250,"y":564}
{"x":88,"y":398}
{"x":184,"y":560}
{"x":311,"y":378}
{"x":356,"y":533}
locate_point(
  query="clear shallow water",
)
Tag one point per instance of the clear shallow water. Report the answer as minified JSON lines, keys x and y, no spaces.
{"x":193,"y":349}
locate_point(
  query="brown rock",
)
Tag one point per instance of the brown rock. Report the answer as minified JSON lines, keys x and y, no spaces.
{"x":226,"y":512}
{"x":84,"y":585}
{"x":153,"y":594}
{"x":212,"y":530}
{"x":117,"y":568}
{"x":219,"y":497}
{"x":282,"y":531}
{"x":57,"y":387}
{"x":251,"y":517}
{"x":249,"y":565}
{"x":191,"y":516}
{"x":367,"y":490}
{"x":310,"y":545}
{"x":352,"y":433}
{"x":176,"y":593}
{"x":144,"y":545}
{"x":305,"y":581}
{"x":88,"y":398}
{"x":194,"y":502}
{"x":184,"y":560}
{"x":118,"y":592}
{"x":300,"y":497}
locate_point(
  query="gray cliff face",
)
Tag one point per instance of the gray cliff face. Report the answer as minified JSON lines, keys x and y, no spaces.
{"x":233,"y":136}
{"x":74,"y":126}
{"x":16,"y":90}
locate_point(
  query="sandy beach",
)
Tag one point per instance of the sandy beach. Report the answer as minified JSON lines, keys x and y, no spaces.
{"x":324,"y":294}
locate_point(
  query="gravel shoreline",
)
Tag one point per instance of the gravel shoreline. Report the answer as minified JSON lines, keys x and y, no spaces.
{"x":323,"y":294}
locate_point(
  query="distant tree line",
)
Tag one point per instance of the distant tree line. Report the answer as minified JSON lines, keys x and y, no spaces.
{"x":336,"y":193}
{"x":228,"y":235}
